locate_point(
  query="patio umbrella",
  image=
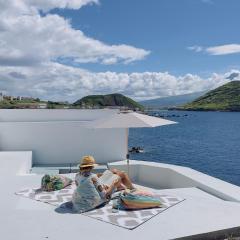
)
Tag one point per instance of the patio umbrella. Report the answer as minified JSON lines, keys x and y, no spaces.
{"x":128,"y":120}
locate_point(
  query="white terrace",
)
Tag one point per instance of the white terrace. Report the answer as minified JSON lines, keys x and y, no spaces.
{"x":57,"y":138}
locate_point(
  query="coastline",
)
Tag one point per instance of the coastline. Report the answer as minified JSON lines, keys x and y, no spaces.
{"x":190,"y":109}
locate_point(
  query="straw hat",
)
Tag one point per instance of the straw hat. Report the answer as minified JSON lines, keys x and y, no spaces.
{"x":88,"y":161}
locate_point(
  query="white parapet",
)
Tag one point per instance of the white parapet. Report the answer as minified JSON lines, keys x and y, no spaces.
{"x":15,"y":163}
{"x":168,"y":176}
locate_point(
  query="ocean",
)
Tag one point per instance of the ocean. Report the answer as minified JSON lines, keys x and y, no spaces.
{"x":205,"y":141}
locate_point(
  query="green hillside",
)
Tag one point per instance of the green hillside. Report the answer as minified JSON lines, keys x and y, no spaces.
{"x":115,"y":99}
{"x":224,"y":98}
{"x":32,"y":104}
{"x":9,"y":104}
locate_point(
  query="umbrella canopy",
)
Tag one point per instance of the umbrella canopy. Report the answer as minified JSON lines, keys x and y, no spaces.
{"x":130,"y":120}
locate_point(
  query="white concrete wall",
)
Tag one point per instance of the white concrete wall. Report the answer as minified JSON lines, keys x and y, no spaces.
{"x":15,"y":163}
{"x":41,"y":115}
{"x":60,"y":136}
{"x":167,"y":176}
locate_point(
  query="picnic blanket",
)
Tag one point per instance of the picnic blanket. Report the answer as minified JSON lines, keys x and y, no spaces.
{"x":122,"y":218}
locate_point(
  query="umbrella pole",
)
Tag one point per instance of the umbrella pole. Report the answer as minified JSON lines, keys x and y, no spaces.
{"x":127,"y":155}
{"x":128,"y":165}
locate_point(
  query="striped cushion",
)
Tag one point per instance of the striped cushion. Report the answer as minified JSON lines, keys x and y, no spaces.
{"x":132,"y":201}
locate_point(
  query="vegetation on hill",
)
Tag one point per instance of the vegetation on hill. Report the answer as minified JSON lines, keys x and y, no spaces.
{"x":113,"y":100}
{"x":93,"y":101}
{"x":58,"y":105}
{"x":32,"y":104}
{"x":224,"y":98}
{"x":9,"y":104}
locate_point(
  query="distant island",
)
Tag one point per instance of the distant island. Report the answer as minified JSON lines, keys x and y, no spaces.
{"x":109,"y":100}
{"x":223,"y":98}
{"x":115,"y":100}
{"x":171,"y":101}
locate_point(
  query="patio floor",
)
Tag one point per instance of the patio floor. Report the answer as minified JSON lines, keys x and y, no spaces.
{"x":27,"y":219}
{"x":200,"y":216}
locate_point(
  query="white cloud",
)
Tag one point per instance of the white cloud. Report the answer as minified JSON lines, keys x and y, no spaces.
{"x":19,"y":7}
{"x":59,"y":82}
{"x":28,"y":38}
{"x":47,"y":5}
{"x":217,"y":50}
{"x":224,"y":49}
{"x":195,"y":48}
{"x":31,"y":44}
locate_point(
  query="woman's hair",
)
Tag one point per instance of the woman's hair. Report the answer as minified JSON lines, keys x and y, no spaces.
{"x":86,"y":169}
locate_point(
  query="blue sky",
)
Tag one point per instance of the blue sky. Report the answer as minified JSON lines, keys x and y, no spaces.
{"x":67,"y":49}
{"x":166,"y":28}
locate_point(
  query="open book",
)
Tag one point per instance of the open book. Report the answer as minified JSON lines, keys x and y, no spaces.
{"x":108,"y":178}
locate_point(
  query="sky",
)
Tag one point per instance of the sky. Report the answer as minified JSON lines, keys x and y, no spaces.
{"x":66,"y":49}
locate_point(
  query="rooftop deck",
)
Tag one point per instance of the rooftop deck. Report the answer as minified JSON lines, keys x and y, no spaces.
{"x":23,"y":218}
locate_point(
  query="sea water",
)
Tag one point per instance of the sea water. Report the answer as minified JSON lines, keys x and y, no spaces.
{"x":205,"y":141}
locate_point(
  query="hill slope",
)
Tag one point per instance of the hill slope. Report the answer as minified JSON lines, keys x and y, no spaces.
{"x":115,"y":99}
{"x":224,"y":98}
{"x":171,"y":101}
{"x":32,"y":104}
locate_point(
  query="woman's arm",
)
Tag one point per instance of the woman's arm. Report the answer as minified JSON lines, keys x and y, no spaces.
{"x":105,"y":192}
{"x":99,"y":187}
{"x":112,"y":186}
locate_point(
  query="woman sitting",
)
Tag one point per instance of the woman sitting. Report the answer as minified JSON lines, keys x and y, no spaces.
{"x":90,"y":192}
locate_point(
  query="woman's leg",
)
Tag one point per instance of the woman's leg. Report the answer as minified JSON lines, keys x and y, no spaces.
{"x":124,"y":178}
